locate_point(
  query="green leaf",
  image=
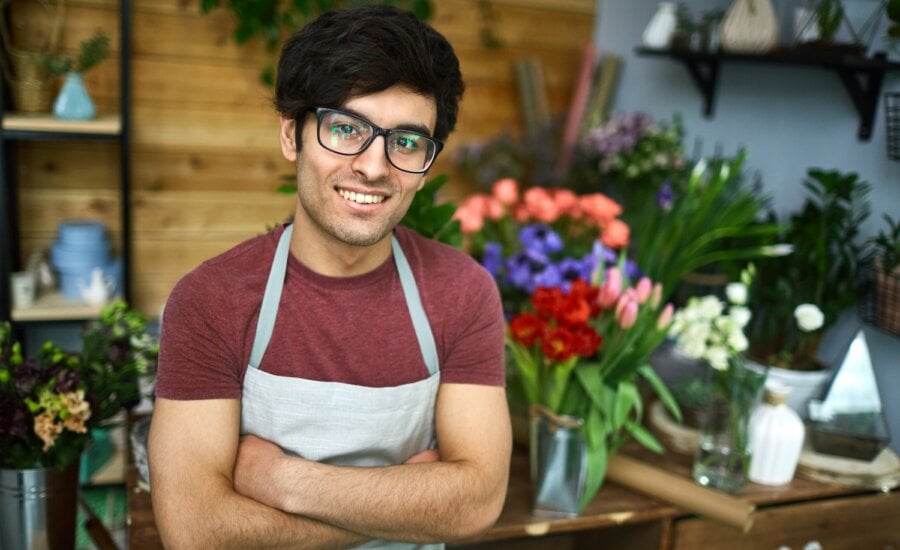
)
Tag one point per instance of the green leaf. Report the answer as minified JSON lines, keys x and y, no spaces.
{"x":207,"y":6}
{"x":627,"y":399}
{"x":598,"y":459}
{"x":647,"y":372}
{"x":645,"y":438}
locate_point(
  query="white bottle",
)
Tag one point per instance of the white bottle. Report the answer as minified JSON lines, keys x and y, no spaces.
{"x":658,"y":33}
{"x":776,"y":437}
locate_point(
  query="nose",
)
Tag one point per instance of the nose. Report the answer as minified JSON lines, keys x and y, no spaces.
{"x":373,"y":162}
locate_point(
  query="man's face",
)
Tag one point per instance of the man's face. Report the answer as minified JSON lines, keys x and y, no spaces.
{"x":358,"y":200}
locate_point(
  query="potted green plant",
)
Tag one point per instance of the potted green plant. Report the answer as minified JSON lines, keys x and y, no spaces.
{"x":74,"y":102}
{"x":50,"y":405}
{"x":795,"y":299}
{"x":273,"y":20}
{"x":884,"y":257}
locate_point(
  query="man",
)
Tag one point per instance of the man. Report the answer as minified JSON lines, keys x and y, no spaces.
{"x":338,"y":381}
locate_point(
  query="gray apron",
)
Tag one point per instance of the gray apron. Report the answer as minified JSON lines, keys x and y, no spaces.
{"x":333,"y":422}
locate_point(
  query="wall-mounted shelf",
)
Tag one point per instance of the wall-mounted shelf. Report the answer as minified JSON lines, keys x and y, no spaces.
{"x":861,"y":76}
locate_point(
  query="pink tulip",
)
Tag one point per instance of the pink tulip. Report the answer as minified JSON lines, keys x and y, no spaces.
{"x":656,"y":295}
{"x":627,"y":313}
{"x":506,"y":191}
{"x":665,"y":318}
{"x":643,"y":289}
{"x":611,"y":288}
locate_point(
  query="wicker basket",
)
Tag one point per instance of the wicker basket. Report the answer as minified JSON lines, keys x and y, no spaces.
{"x":879,"y":305}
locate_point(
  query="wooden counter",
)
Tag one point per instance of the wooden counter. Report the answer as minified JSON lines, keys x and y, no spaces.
{"x":792,"y":515}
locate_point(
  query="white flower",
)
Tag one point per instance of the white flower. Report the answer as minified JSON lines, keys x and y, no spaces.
{"x":737,"y":341}
{"x":709,"y":307}
{"x":740,"y":315}
{"x":737,"y":293}
{"x":809,"y":317}
{"x":717,"y":357}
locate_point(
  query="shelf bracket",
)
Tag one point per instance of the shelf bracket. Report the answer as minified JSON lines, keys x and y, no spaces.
{"x":864,"y":87}
{"x":705,"y":74}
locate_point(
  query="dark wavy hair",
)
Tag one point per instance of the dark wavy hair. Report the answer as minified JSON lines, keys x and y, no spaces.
{"x":351,"y":53}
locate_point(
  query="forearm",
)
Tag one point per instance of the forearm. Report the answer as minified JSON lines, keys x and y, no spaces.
{"x":214,"y":516}
{"x":431,"y":502}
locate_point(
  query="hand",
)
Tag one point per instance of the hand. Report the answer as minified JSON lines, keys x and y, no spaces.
{"x":428,"y":455}
{"x":255,"y":470}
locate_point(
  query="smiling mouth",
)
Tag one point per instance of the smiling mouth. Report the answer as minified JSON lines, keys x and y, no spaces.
{"x":360,"y":198}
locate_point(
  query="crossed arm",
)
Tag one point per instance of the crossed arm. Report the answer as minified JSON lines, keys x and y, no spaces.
{"x":211,"y":488}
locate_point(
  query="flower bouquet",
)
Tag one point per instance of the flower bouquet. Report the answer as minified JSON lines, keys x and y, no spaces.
{"x":579,"y":353}
{"x":711,"y":331}
{"x":49,"y":403}
{"x":542,"y":237}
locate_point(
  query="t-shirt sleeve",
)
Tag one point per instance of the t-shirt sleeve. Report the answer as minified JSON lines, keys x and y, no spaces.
{"x":475,"y":345}
{"x":200,"y":343}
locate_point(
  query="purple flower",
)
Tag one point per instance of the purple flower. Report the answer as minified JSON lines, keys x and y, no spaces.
{"x":522,"y":268}
{"x":632,"y":271}
{"x":571,"y":269}
{"x":492,"y":258}
{"x":541,"y":238}
{"x":665,"y":196}
{"x":66,"y":381}
{"x":549,"y":276}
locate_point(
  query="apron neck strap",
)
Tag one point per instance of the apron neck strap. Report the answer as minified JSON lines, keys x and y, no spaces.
{"x":272,"y":297}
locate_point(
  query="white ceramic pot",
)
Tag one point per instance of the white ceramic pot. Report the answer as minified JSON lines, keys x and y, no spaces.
{"x":750,"y":26}
{"x":804,"y":385}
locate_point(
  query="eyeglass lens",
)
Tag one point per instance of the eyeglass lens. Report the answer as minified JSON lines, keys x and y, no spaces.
{"x":347,"y":134}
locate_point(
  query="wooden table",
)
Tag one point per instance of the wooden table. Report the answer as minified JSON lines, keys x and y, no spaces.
{"x":837,"y":517}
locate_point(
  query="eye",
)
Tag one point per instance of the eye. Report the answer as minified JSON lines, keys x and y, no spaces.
{"x":406,"y":143}
{"x":344,"y":130}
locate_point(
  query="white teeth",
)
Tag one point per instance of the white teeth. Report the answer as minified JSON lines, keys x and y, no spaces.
{"x":361,"y":198}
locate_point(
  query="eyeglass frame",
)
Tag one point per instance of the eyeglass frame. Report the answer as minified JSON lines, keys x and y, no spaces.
{"x":376,"y":132}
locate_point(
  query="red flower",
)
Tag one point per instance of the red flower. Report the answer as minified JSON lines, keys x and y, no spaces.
{"x":558,"y":345}
{"x":586,"y":341}
{"x":546,"y":301}
{"x":587,"y":292}
{"x":573,"y":310}
{"x":527,"y":328}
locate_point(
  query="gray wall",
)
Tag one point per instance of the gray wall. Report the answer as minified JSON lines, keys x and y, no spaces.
{"x":789,"y":119}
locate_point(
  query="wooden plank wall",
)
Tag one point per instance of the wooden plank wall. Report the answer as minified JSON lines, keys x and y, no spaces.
{"x":205,"y":154}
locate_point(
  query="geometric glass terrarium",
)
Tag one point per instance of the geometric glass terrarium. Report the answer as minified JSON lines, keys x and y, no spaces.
{"x":849,"y":422}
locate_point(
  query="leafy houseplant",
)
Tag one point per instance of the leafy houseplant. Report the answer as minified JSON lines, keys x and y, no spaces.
{"x":91,"y":52}
{"x":821,"y":271}
{"x":273,"y":20}
{"x":74,"y":102}
{"x":50,"y":403}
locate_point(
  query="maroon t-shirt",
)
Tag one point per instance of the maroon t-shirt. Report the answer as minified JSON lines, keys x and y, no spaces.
{"x":355,"y":330}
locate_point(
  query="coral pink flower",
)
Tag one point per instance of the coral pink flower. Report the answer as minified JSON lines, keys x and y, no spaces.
{"x":540,"y":205}
{"x":656,"y":295}
{"x":471,"y":214}
{"x":567,"y":202}
{"x":506,"y":191}
{"x":600,"y":208}
{"x":615,"y":234}
{"x":611,"y":288}
{"x":493,"y":209}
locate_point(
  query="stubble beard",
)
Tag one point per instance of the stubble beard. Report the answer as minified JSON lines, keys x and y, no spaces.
{"x":359,"y":231}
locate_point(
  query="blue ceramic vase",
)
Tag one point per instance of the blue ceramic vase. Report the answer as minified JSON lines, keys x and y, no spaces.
{"x":74,"y":102}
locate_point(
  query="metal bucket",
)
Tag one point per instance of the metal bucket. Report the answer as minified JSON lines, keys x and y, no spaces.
{"x":38,"y":508}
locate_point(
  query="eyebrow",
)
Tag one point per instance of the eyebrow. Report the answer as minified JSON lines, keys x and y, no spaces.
{"x":413,"y":127}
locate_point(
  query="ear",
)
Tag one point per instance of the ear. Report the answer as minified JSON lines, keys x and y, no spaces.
{"x":287,"y":136}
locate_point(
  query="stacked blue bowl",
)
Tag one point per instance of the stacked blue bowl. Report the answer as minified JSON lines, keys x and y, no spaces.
{"x":80,"y":247}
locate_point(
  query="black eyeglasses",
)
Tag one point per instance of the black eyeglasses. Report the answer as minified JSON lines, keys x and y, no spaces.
{"x":347,"y":134}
